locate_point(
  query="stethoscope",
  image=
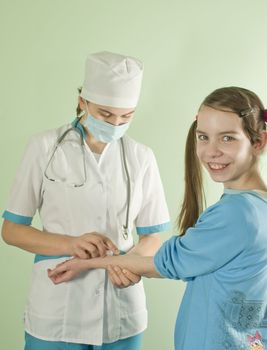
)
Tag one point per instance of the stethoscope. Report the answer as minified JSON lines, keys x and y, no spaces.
{"x":78,"y":128}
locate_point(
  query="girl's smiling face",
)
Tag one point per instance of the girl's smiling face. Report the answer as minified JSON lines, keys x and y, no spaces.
{"x":224,"y":149}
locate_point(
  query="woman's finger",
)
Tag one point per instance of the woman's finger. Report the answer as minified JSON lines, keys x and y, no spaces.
{"x":131,"y":276}
{"x":100,"y":246}
{"x":114,"y":277}
{"x":63,"y":277}
{"x":111,"y":246}
{"x":82,"y":254}
{"x":121,"y":280}
{"x":60,"y":268}
{"x":124,"y":279}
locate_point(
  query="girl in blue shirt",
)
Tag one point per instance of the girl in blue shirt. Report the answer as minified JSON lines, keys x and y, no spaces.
{"x":222,"y":251}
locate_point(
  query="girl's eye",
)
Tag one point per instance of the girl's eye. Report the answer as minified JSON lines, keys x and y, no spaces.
{"x":202,"y":137}
{"x":227,"y":138}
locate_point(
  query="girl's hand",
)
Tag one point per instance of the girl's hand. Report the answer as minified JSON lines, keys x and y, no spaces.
{"x":67,"y":270}
{"x":91,"y":245}
{"x":122,"y":278}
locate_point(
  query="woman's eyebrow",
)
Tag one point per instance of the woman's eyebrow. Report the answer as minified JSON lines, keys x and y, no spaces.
{"x":105,"y":111}
{"x":128,"y":113}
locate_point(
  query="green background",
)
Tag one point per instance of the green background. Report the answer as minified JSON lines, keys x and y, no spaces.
{"x":189,"y":48}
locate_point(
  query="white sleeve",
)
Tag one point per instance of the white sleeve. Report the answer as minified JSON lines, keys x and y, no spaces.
{"x":25,"y":196}
{"x":154,"y":215}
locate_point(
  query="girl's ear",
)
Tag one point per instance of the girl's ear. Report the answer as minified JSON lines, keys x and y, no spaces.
{"x":261,"y":143}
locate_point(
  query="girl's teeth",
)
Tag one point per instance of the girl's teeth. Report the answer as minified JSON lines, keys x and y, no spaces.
{"x":217,"y":166}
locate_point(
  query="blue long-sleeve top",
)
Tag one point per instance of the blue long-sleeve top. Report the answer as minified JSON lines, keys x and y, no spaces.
{"x":223,"y":259}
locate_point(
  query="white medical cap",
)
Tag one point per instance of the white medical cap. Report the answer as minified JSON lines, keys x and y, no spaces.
{"x":112,"y":80}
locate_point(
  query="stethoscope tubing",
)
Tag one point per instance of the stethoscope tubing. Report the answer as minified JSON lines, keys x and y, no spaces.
{"x":125,"y":228}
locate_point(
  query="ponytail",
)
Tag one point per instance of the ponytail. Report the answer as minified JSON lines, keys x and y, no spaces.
{"x":194,"y":197}
{"x":247,"y":105}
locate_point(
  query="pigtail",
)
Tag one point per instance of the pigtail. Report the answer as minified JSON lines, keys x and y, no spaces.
{"x":194,"y":198}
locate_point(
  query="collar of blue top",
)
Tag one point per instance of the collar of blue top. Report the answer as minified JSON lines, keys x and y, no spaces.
{"x":259,"y":194}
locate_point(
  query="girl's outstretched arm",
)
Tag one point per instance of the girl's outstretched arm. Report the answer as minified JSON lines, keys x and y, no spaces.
{"x":68,"y":270}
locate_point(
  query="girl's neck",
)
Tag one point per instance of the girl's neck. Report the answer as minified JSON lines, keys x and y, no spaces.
{"x":255,"y":183}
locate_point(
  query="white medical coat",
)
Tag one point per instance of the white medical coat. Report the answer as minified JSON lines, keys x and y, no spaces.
{"x":88,"y":309}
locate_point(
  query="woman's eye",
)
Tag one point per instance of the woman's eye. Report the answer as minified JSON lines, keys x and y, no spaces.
{"x":127,"y":116}
{"x":105,"y":115}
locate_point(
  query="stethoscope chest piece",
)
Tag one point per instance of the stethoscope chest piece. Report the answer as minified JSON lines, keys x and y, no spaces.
{"x":125,"y":232}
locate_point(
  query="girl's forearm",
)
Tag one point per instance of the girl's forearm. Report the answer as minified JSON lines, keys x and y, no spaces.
{"x":140,"y":265}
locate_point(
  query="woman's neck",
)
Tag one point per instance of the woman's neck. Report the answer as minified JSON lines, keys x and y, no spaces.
{"x":94,"y":145}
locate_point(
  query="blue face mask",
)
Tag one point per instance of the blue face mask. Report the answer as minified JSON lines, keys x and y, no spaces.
{"x":103,"y":131}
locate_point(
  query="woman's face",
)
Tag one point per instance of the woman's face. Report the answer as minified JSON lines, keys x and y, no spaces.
{"x":111,"y":115}
{"x":224,"y":149}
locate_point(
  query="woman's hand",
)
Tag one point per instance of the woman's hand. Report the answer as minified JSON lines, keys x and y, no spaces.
{"x":122,"y":278}
{"x":91,"y":245}
{"x":67,"y":270}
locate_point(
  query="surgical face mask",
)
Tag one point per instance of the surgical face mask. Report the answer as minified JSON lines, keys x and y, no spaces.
{"x":103,"y":131}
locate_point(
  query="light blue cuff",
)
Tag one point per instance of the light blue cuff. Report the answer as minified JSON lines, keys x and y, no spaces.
{"x":163,"y":261}
{"x":48,"y":257}
{"x":17,"y":219}
{"x":157,"y":265}
{"x":153,"y":229}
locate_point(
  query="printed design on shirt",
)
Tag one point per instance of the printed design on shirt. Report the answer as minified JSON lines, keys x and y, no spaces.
{"x":238,"y":321}
{"x":246,"y":314}
{"x":227,"y":338}
{"x":255,"y":341}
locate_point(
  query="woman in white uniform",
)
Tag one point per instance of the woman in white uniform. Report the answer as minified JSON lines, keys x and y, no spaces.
{"x":91,"y":185}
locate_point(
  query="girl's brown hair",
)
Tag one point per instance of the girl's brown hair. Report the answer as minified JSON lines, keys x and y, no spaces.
{"x":247,"y":105}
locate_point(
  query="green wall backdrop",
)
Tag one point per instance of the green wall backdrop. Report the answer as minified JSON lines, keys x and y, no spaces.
{"x":189,"y":48}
